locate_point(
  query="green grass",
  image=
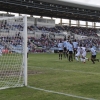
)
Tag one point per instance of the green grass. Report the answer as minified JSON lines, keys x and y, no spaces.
{"x":45,"y":71}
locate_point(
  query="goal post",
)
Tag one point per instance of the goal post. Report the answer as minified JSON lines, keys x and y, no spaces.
{"x":25,"y":51}
{"x":13,"y":52}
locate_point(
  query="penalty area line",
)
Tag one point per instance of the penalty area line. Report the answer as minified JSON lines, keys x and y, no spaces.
{"x":75,"y":71}
{"x":60,"y":93}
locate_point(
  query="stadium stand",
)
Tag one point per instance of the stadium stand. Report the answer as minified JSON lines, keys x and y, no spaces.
{"x":48,"y":37}
{"x":43,"y":34}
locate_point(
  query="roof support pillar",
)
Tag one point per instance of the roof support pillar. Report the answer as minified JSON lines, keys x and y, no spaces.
{"x":93,"y":24}
{"x":41,"y":16}
{"x":61,"y":21}
{"x":31,"y":15}
{"x":78,"y":23}
{"x":19,"y":14}
{"x":86,"y":24}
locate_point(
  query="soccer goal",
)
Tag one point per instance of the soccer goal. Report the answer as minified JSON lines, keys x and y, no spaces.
{"x":13,"y":52}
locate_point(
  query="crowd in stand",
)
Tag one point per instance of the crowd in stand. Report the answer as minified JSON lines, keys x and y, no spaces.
{"x":82,"y":30}
{"x":76,"y":30}
{"x":89,"y":42}
{"x":45,"y":42}
{"x":49,"y":29}
{"x":57,"y":29}
{"x":10,"y":26}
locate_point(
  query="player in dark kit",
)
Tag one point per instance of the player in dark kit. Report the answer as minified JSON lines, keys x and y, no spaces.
{"x":70,"y":49}
{"x":65,"y":48}
{"x":60,"y":46}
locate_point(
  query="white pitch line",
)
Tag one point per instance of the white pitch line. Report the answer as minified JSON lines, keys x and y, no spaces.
{"x":60,"y":93}
{"x":70,"y":70}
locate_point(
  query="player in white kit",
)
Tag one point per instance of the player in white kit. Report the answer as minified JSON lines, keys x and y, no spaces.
{"x":77,"y":55}
{"x":83,"y":54}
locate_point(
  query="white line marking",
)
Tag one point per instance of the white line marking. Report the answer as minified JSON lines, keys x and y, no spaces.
{"x":70,"y":95}
{"x":69,"y":70}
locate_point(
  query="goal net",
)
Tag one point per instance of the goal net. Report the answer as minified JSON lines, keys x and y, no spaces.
{"x":13,"y":52}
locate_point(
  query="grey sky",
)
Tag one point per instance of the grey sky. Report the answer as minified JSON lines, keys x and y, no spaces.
{"x":92,"y":2}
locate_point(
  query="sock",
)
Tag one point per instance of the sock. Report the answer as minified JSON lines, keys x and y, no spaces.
{"x":84,"y":60}
{"x":76,"y":58}
{"x":81,"y":59}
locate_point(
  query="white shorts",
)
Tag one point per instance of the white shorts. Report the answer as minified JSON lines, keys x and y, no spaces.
{"x":83,"y":54}
{"x":78,"y":54}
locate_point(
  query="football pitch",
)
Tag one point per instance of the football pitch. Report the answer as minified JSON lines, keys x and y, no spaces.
{"x":52,"y":79}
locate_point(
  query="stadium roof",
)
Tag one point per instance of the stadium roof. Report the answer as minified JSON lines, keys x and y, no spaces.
{"x":73,"y":4}
{"x":52,"y":8}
